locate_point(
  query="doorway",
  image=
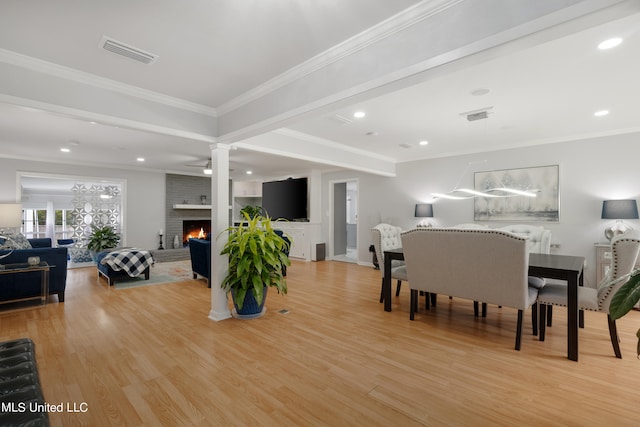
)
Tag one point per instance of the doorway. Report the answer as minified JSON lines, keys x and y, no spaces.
{"x":344,"y":220}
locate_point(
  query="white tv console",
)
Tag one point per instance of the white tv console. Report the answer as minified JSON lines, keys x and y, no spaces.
{"x":303,"y":236}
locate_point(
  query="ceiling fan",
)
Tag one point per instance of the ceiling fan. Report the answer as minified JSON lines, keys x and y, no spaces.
{"x":206,"y":167}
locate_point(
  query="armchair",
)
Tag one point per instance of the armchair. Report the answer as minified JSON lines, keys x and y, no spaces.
{"x":286,"y":248}
{"x":200,"y":253}
{"x":624,"y":252}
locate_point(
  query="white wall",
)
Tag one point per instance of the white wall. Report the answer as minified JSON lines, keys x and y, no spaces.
{"x":143,"y":207}
{"x":590,"y":171}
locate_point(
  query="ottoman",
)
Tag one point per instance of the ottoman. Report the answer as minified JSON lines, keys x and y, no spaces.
{"x":123,"y":264}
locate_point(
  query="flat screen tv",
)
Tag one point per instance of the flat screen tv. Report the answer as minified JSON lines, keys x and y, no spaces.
{"x":286,"y":199}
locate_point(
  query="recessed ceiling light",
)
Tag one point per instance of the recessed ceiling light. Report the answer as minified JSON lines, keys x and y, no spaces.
{"x":140,"y":159}
{"x":424,"y":142}
{"x":601,"y":113}
{"x":93,"y":123}
{"x":608,"y":44}
{"x":480,"y":92}
{"x":359,"y":114}
{"x":249,"y":172}
{"x":65,"y":150}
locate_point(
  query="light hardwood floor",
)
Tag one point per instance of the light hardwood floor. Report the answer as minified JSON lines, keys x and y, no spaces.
{"x":149,"y":356}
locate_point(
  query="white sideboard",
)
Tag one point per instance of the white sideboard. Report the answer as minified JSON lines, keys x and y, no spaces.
{"x":303,"y":236}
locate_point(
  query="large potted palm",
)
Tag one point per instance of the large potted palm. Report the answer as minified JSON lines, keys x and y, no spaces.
{"x":257,"y":258}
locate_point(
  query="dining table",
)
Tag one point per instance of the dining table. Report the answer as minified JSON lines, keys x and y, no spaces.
{"x":551,"y":266}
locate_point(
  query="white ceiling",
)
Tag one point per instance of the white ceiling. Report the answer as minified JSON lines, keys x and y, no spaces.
{"x":214,"y":51}
{"x":543,"y":94}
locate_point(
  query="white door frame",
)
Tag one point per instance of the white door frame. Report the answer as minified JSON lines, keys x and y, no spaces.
{"x":331,"y":251}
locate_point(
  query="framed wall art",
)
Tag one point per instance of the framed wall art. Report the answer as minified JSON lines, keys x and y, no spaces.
{"x":543,"y":181}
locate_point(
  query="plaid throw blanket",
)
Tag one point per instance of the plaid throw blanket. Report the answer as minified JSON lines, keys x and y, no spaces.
{"x":133,"y":261}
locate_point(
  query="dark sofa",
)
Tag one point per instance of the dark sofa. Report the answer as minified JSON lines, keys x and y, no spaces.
{"x":25,"y":285}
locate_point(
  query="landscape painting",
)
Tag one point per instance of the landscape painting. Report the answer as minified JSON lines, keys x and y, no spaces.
{"x":543,"y":181}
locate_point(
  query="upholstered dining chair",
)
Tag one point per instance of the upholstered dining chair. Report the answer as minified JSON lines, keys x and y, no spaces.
{"x":538,"y":241}
{"x":624,"y":252}
{"x":385,"y":237}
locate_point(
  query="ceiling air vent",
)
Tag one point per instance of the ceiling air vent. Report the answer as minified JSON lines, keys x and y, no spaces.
{"x":480,"y":114}
{"x":122,"y":49}
{"x":477,"y":116}
{"x":341,"y":120}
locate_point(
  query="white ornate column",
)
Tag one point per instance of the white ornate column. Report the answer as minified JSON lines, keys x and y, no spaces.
{"x":219,"y":222}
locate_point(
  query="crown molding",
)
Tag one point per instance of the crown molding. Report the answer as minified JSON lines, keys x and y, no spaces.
{"x":372,"y":35}
{"x":529,"y":143}
{"x":72,"y":74}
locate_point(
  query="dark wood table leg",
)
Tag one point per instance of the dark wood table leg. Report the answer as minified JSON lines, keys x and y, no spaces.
{"x":572,"y":317}
{"x":386,"y":284}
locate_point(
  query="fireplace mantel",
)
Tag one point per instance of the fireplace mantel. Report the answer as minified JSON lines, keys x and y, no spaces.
{"x":192,"y":207}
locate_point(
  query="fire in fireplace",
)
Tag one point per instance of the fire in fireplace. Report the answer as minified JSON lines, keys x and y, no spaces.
{"x":196,"y":229}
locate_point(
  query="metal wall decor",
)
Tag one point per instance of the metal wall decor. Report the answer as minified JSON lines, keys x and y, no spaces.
{"x":94,"y":205}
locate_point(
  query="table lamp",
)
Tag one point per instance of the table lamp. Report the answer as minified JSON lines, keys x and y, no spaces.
{"x":10,"y":218}
{"x":618,"y":210}
{"x":424,"y":210}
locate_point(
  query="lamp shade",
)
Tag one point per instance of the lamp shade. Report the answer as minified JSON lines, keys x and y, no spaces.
{"x":424,"y":210}
{"x":619,"y":209}
{"x":10,"y":215}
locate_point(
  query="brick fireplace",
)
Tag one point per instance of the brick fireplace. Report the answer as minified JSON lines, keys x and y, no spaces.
{"x":185,"y":190}
{"x":195,"y":228}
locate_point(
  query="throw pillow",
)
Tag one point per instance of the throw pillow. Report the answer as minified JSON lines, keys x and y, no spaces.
{"x":15,"y":241}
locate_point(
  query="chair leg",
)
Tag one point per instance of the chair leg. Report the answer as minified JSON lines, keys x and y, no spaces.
{"x":581,"y":319}
{"x":413,"y":303}
{"x":534,"y":318}
{"x":484,"y":309}
{"x":434,"y":299}
{"x":426,"y":301}
{"x":519,"y":330}
{"x":613,"y":333}
{"x":550,"y":311}
{"x":382,"y":291}
{"x":398,"y":287}
{"x":475,"y":309}
{"x":543,"y":315}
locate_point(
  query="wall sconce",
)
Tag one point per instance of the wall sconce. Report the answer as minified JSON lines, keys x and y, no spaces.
{"x":424,"y":210}
{"x":618,"y":210}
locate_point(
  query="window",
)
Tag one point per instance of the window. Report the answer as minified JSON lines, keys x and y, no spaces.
{"x":63,"y":229}
{"x":34,"y":223}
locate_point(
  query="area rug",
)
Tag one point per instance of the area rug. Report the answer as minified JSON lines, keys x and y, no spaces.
{"x":161,"y":272}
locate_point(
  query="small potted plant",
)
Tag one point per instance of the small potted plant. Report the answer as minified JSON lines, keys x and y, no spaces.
{"x":257,"y":258}
{"x":102,"y":238}
{"x":251,"y":211}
